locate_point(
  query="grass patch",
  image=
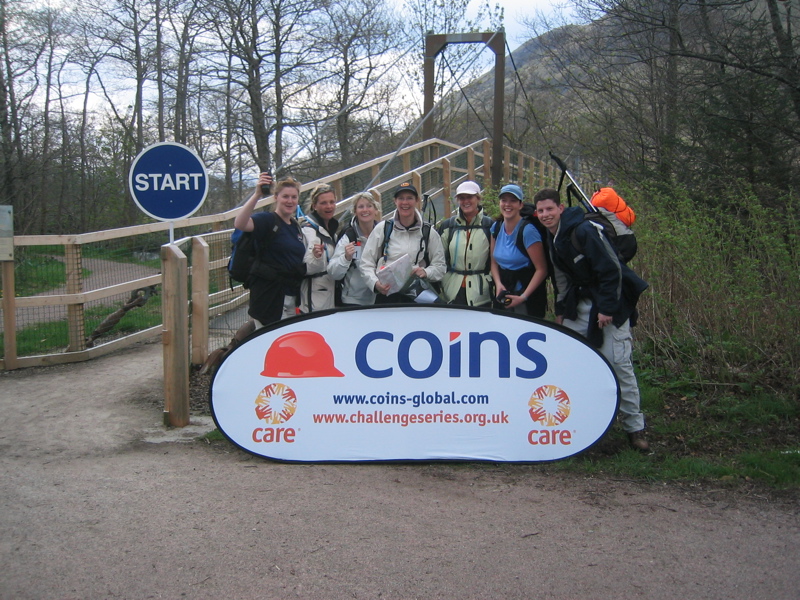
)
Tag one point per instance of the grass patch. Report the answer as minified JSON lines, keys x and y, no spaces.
{"x":705,"y":433}
{"x":213,"y":436}
{"x":37,"y":273}
{"x":53,"y":336}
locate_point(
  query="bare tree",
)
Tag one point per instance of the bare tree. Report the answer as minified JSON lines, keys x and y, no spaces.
{"x":681,"y":90}
{"x":359,"y":38}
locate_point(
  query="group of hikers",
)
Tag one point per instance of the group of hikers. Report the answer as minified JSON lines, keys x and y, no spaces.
{"x":470,"y":259}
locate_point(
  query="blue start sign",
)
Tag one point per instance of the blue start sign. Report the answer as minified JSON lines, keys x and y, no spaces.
{"x":168,"y":181}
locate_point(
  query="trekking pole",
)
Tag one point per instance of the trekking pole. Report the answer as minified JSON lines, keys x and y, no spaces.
{"x":573,"y":188}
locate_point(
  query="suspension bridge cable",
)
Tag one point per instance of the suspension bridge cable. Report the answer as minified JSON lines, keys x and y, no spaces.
{"x":421,"y":122}
{"x":452,"y":73}
{"x":527,"y":99}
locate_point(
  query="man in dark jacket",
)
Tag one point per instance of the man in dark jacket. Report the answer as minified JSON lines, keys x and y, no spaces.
{"x":597,"y":296}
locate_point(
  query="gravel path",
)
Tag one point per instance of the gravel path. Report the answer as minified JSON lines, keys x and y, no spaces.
{"x":99,"y":500}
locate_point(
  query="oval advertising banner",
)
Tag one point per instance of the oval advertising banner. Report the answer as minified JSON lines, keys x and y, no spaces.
{"x":427,"y":382}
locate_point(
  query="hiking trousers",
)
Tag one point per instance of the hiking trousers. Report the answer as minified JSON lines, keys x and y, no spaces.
{"x":617,"y":348}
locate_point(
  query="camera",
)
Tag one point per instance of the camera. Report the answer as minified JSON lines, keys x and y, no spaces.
{"x":503,"y":298}
{"x":265,"y":189}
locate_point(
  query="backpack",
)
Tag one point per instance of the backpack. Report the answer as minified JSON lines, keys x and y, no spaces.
{"x":485,"y":224}
{"x":244,"y":253}
{"x":608,"y":199}
{"x":423,"y":243}
{"x":619,"y":235}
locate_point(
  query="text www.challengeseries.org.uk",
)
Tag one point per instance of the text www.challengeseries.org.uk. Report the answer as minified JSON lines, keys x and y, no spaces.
{"x":415,"y":400}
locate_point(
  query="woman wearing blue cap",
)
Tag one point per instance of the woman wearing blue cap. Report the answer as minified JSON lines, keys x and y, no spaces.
{"x":519,"y":265}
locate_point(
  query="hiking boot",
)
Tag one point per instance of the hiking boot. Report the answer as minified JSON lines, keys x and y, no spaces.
{"x":638,"y":441}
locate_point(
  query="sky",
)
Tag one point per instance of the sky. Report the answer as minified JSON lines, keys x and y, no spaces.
{"x":515,"y":11}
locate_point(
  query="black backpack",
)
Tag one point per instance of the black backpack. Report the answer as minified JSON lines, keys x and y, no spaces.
{"x":244,"y":253}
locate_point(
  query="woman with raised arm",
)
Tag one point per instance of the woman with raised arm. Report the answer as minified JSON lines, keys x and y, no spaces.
{"x":279,"y":268}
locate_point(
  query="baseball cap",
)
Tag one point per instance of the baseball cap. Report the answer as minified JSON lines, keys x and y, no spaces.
{"x":513,"y":189}
{"x":406,"y":187}
{"x":468,"y":187}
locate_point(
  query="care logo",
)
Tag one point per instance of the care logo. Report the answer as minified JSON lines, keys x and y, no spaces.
{"x":276,"y":404}
{"x":549,"y":406}
{"x":298,"y":354}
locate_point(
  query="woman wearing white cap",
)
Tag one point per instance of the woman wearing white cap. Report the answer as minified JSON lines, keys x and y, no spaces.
{"x":466,"y":240}
{"x":519,"y":265}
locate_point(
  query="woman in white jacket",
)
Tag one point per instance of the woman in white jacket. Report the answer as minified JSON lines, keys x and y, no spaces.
{"x":343,"y":266}
{"x":408,"y":235}
{"x":319,"y":229}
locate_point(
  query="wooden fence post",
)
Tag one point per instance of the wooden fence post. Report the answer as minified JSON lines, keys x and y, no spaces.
{"x":9,"y":317}
{"x":471,"y":164}
{"x":175,"y":336}
{"x":76,"y":328}
{"x":487,"y":160}
{"x":200,"y":281}
{"x":447,"y":177}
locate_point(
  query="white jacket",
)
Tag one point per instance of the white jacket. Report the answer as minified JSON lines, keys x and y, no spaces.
{"x":402,"y":241}
{"x":355,"y":289}
{"x":318,"y":287}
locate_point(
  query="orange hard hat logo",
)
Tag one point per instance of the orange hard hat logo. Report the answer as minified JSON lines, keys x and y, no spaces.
{"x":300,"y":354}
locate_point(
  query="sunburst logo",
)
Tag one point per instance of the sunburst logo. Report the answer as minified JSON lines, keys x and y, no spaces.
{"x":276,"y":403}
{"x":549,"y":405}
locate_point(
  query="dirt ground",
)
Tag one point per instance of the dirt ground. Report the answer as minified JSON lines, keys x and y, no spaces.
{"x":99,"y":500}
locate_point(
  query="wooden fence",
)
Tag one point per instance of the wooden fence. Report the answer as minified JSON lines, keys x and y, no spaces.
{"x":192,"y":281}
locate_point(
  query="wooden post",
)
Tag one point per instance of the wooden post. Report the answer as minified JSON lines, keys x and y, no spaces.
{"x":175,"y":336}
{"x":376,"y":171}
{"x":521,"y":168}
{"x":200,"y":280}
{"x":507,"y":164}
{"x":416,"y":181}
{"x":471,"y":163}
{"x":446,"y":186}
{"x":9,"y":317}
{"x":406,"y":162}
{"x":487,"y":159}
{"x":337,"y":188}
{"x":75,"y":324}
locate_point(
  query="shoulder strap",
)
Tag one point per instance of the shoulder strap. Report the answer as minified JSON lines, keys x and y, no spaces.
{"x":520,"y":241}
{"x":387,"y":233}
{"x":426,"y":234}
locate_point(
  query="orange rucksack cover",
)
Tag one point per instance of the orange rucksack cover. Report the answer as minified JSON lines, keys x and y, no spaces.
{"x":609,"y":199}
